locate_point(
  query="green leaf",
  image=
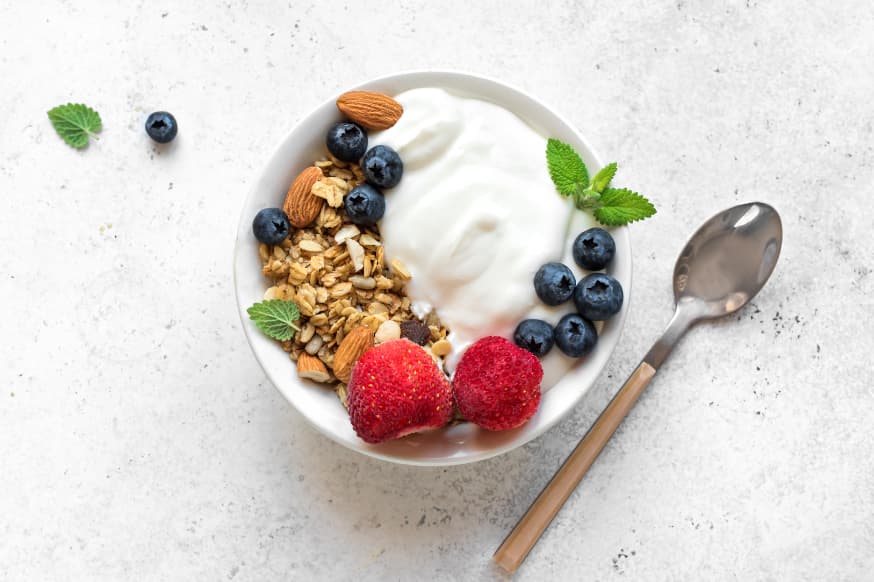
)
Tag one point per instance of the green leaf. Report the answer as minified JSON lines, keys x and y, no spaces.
{"x":603,"y":177}
{"x":566,"y":168}
{"x":276,"y":318}
{"x":75,"y":123}
{"x":620,"y":206}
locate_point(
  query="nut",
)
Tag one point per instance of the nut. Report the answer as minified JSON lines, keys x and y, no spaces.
{"x":347,"y":231}
{"x":314,"y":345}
{"x":306,"y":333}
{"x":368,"y":240}
{"x":312,"y":368}
{"x":360,"y":282}
{"x":441,"y":348}
{"x":369,"y":109}
{"x":310,"y":246}
{"x":343,"y":395}
{"x":387,"y":331}
{"x":353,"y":346}
{"x":356,"y":253}
{"x":301,"y":206}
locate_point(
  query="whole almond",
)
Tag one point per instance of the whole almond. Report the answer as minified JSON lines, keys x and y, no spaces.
{"x":301,"y":205}
{"x":369,"y":109}
{"x":353,"y":346}
{"x":312,"y":368}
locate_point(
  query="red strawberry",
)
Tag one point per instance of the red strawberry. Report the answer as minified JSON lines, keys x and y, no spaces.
{"x":497,"y":384}
{"x":397,"y":389}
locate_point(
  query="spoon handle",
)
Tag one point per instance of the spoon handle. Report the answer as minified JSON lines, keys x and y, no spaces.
{"x":529,"y":529}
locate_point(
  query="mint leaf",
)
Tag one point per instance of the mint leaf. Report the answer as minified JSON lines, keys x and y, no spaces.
{"x":619,"y":206}
{"x":566,"y":168}
{"x":75,"y":123}
{"x":610,"y":206}
{"x":276,"y":318}
{"x":603,"y":177}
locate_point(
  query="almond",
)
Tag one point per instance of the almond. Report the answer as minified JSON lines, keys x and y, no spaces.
{"x":301,"y":205}
{"x":312,"y":368}
{"x":357,"y":341}
{"x":369,"y":109}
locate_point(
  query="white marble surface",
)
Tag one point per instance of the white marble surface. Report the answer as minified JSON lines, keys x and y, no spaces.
{"x":140,"y":440}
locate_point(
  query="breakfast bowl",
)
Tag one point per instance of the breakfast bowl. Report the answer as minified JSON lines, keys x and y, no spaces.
{"x":318,"y":405}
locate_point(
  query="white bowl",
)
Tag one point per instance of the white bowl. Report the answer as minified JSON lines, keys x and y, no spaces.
{"x":462,"y":443}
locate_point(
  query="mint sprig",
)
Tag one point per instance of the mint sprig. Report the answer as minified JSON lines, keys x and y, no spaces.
{"x":75,"y":123}
{"x":276,"y":318}
{"x":610,"y":206}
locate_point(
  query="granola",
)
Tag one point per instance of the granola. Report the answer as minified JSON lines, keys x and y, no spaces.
{"x":337,"y":274}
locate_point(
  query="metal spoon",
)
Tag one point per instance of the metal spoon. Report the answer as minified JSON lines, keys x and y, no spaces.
{"x":724,"y":264}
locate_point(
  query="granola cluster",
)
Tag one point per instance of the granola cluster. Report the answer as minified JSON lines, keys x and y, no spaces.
{"x":337,"y":274}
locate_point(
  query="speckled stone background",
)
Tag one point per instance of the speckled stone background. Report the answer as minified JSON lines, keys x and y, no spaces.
{"x":139,"y":440}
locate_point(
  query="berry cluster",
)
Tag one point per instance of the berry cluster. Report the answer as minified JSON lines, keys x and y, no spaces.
{"x":597,"y":297}
{"x":365,"y":204}
{"x":396,"y":389}
{"x":382,"y":166}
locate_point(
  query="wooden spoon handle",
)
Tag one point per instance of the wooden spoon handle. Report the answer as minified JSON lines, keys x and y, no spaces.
{"x":529,"y":529}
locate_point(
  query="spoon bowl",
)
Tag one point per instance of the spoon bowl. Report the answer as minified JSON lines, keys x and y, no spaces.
{"x":724,"y":264}
{"x":728,"y":260}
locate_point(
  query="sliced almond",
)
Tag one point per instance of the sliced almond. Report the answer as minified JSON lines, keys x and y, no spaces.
{"x":369,"y":241}
{"x":356,"y":253}
{"x":310,"y":246}
{"x":346,"y":231}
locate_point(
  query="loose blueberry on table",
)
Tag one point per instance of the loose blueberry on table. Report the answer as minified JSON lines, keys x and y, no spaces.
{"x":161,"y":126}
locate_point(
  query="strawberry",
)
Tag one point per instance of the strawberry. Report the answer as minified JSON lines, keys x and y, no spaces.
{"x":397,"y":389}
{"x":497,"y":384}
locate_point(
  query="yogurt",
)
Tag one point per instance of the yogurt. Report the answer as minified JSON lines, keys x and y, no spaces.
{"x":473,"y":218}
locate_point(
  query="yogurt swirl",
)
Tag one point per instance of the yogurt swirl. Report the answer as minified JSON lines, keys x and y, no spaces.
{"x":474,"y":217}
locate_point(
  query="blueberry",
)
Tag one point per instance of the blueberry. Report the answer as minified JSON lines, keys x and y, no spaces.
{"x":271,"y":226}
{"x":382,"y":167}
{"x":594,"y":249}
{"x":347,"y":141}
{"x":365,"y":205}
{"x":161,"y":126}
{"x":575,"y":335}
{"x":534,"y":335}
{"x":598,"y":296}
{"x":554,"y":283}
